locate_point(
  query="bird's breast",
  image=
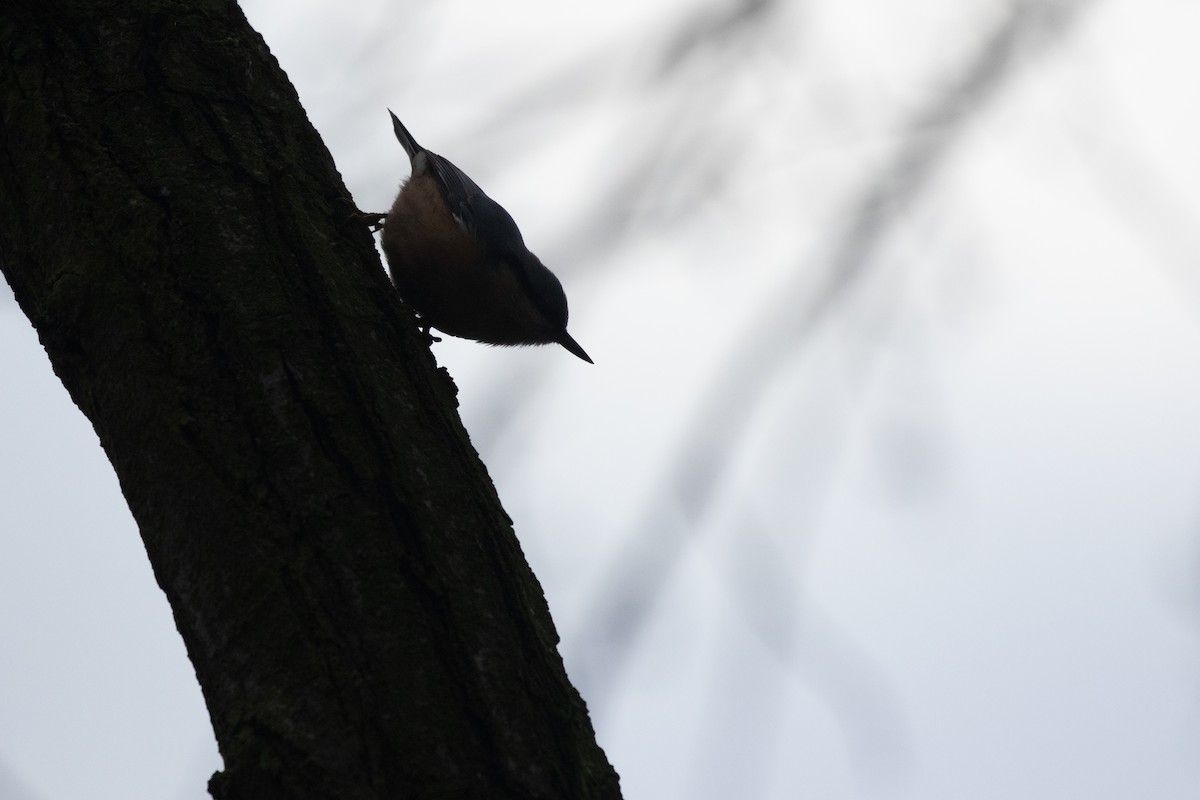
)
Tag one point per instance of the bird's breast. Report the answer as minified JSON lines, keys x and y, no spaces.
{"x":445,"y":274}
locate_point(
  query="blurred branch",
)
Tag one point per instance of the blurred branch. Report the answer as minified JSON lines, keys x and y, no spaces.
{"x":655,"y":546}
{"x":710,"y":28}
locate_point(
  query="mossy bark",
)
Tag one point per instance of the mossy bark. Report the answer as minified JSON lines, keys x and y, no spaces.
{"x":359,"y":613}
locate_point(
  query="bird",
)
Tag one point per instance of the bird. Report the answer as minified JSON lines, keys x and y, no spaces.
{"x":457,"y":257}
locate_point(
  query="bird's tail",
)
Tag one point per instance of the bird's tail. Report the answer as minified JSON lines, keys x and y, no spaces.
{"x":406,"y":140}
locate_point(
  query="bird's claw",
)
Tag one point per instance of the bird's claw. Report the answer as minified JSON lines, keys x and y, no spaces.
{"x":429,"y":337}
{"x":372,"y":221}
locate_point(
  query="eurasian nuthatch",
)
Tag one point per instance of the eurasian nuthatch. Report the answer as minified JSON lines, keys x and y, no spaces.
{"x":457,"y":257}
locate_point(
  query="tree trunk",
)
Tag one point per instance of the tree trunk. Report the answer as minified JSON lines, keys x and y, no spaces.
{"x":360,"y":616}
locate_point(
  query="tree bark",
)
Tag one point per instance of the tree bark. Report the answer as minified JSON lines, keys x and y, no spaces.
{"x":359,"y":613}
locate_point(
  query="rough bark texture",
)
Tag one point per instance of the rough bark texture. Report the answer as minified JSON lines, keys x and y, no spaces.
{"x":359,"y":613}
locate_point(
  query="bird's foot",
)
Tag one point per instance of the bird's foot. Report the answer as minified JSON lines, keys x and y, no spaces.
{"x":429,"y":337}
{"x":372,"y":221}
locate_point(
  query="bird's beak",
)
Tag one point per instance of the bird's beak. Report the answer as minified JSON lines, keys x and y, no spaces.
{"x":566,"y":341}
